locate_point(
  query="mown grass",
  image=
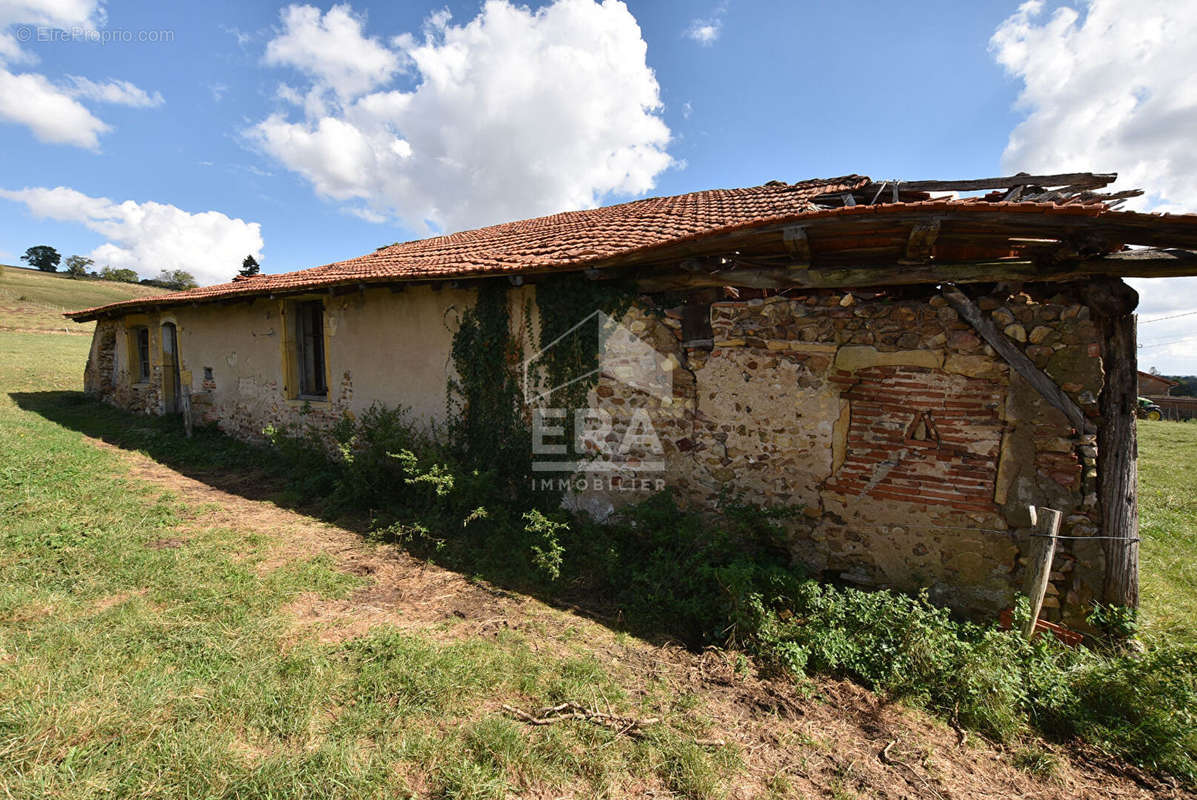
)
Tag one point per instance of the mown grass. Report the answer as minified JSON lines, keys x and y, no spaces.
{"x":1168,"y":527}
{"x":129,"y":669}
{"x":35,"y":300}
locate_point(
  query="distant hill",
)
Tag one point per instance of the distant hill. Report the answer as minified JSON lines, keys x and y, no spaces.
{"x":32,"y":300}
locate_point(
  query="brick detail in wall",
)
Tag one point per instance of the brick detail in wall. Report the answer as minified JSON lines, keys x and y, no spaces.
{"x":920,"y":435}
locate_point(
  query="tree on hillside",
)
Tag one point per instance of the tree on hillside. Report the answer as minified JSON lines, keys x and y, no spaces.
{"x":76,"y":266}
{"x":176,"y":279}
{"x":42,"y":256}
{"x":120,"y":275}
{"x":249,"y":267}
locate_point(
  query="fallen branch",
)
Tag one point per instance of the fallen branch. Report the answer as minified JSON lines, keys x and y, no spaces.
{"x":570,"y":710}
{"x":889,"y":760}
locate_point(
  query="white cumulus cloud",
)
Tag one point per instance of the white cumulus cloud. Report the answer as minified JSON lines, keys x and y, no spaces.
{"x":50,"y":112}
{"x":113,"y":91}
{"x":706,"y":30}
{"x":42,"y":13}
{"x":512,"y":114}
{"x":1112,"y":87}
{"x":54,"y":112}
{"x":150,"y":237}
{"x":332,"y":50}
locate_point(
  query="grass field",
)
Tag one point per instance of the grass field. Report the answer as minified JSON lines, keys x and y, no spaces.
{"x":1168,"y":526}
{"x":132,"y":668}
{"x":34,"y":300}
{"x":149,"y":647}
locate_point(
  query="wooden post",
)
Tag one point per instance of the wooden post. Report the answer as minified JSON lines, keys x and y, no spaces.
{"x":1113,"y":303}
{"x":1040,"y":553}
{"x":185,"y":407}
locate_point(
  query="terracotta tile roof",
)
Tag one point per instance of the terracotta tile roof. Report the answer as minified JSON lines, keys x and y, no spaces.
{"x":576,"y":239}
{"x":558,"y":240}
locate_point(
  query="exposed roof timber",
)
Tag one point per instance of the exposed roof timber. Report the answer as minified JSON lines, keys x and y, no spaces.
{"x":1075,"y":180}
{"x":921,"y":244}
{"x":1056,"y":236}
{"x":959,"y":221}
{"x":1063,"y":188}
{"x":1134,"y":264}
{"x":697,"y":274}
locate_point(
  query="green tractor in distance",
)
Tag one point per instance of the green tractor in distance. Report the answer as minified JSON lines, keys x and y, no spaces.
{"x":1149,"y":410}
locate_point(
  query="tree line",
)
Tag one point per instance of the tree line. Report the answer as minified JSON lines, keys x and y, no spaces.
{"x":47,"y":259}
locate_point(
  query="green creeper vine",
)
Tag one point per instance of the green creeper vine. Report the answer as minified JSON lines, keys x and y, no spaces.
{"x":564,"y":301}
{"x":487,"y":418}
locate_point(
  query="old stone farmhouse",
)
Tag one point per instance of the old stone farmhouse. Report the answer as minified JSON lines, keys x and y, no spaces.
{"x":908,"y":369}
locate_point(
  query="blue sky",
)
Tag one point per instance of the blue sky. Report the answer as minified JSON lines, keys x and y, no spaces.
{"x":199,"y":132}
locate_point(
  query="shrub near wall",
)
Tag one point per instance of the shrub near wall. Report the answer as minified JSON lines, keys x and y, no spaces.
{"x":663,"y":571}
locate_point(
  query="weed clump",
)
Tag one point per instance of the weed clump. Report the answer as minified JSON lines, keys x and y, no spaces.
{"x":730,"y":581}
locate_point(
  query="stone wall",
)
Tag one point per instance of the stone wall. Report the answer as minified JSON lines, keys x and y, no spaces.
{"x":906,"y":445}
{"x":109,"y":375}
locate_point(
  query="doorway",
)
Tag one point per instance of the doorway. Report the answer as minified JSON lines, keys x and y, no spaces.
{"x":170,"y":368}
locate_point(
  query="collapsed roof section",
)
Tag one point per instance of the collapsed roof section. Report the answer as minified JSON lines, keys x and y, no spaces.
{"x":849,"y":231}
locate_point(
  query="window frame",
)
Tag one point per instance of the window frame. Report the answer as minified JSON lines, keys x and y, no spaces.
{"x":140,"y":347}
{"x":306,"y":350}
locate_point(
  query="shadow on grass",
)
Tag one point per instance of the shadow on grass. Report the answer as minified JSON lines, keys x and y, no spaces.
{"x":261,"y":472}
{"x":252,"y":471}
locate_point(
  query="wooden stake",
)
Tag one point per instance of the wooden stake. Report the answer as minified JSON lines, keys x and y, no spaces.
{"x":1042,"y":550}
{"x":185,"y":407}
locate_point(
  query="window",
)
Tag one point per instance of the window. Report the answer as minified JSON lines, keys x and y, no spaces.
{"x":140,"y":368}
{"x":309,"y":349}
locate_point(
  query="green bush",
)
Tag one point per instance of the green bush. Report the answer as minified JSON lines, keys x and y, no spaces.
{"x":1142,"y":706}
{"x":730,"y":582}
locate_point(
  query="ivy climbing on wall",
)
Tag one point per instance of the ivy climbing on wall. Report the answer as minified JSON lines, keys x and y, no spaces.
{"x":564,"y":301}
{"x":487,"y":419}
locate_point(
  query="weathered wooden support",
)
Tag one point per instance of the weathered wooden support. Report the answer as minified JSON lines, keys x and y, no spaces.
{"x":921,"y":243}
{"x":1039,"y":561}
{"x":1113,"y":303}
{"x":185,"y":407}
{"x":1017,"y":359}
{"x":1079,"y":180}
{"x":797,"y":245}
{"x":691,"y":275}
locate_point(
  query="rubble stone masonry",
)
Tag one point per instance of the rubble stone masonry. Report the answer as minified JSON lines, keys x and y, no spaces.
{"x":906,"y":449}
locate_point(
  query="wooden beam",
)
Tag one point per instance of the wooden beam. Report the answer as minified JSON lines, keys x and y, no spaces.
{"x":921,"y":244}
{"x":1017,"y":359}
{"x":797,"y":245}
{"x":1131,"y":264}
{"x":1080,"y":180}
{"x":1113,"y":304}
{"x":961,"y":223}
